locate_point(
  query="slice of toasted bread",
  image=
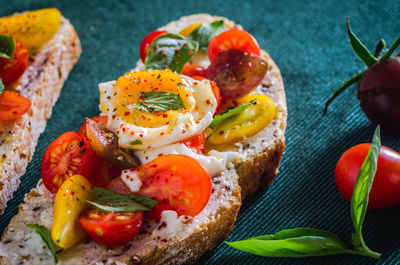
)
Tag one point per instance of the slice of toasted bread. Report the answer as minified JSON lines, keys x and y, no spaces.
{"x":188,"y":239}
{"x":41,"y":84}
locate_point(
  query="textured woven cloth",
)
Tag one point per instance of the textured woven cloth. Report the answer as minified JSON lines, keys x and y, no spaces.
{"x":308,"y":41}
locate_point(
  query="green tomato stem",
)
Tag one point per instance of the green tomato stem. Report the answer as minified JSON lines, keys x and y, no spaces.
{"x":392,"y":48}
{"x":342,"y":88}
{"x":379,"y":47}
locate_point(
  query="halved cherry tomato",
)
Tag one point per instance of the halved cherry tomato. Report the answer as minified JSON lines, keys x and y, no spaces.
{"x":193,"y":70}
{"x":177,"y":182}
{"x":109,"y":228}
{"x":99,"y":119}
{"x":215,"y":90}
{"x":103,"y":172}
{"x":13,"y":105}
{"x":146,"y":42}
{"x":12,"y":69}
{"x":232,"y":39}
{"x":386,"y":186}
{"x":70,"y":154}
{"x":197,"y":142}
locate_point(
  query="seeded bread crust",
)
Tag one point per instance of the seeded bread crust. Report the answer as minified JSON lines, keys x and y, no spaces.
{"x":254,"y":170}
{"x":41,"y":84}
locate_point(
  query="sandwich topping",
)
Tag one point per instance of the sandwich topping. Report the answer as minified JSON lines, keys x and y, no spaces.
{"x":162,"y":136}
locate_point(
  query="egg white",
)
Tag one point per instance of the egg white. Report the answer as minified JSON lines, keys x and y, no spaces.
{"x":185,"y":125}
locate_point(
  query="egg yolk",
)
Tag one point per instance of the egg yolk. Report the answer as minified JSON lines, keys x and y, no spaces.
{"x":129,"y":88}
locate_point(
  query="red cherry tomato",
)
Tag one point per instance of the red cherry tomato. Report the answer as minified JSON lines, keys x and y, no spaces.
{"x":197,"y":142}
{"x":109,"y":228}
{"x":177,"y":182}
{"x":193,"y":70}
{"x":69,"y":154}
{"x":215,"y":90}
{"x":13,"y":105}
{"x":386,"y":185}
{"x":232,"y":39}
{"x":146,"y":42}
{"x":12,"y":69}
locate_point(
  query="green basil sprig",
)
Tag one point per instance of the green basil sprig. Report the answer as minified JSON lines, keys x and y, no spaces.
{"x":206,"y":32}
{"x":45,"y":235}
{"x":308,"y":242}
{"x":110,"y":201}
{"x":7,"y":45}
{"x":170,"y":51}
{"x":229,"y":113}
{"x":159,"y":101}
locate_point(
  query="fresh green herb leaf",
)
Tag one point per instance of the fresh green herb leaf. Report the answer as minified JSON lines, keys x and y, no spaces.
{"x":361,"y":51}
{"x":110,"y":201}
{"x":379,"y":47}
{"x":205,"y":32}
{"x":170,"y":51}
{"x":392,"y":49}
{"x":159,"y":101}
{"x":1,"y":86}
{"x":362,"y":187}
{"x":46,"y":236}
{"x":7,"y":45}
{"x":297,"y":242}
{"x":136,"y":142}
{"x":342,"y":88}
{"x":229,"y":113}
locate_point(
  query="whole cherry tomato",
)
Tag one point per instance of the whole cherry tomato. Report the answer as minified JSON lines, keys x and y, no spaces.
{"x":70,"y":154}
{"x":13,"y":105}
{"x":146,"y":42}
{"x":109,"y":228}
{"x":12,"y":69}
{"x":177,"y":182}
{"x":232,"y":39}
{"x":385,"y":190}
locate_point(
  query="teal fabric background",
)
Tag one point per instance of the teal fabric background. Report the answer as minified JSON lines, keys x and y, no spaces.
{"x":308,"y":41}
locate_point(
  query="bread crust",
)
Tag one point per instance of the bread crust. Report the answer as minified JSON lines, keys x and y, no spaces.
{"x":41,"y":84}
{"x":255,"y":170}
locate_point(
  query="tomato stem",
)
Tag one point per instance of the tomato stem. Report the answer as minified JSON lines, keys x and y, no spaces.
{"x":392,"y":48}
{"x":379,"y":47}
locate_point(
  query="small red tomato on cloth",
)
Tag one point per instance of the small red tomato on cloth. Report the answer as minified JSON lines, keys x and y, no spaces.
{"x":385,"y":190}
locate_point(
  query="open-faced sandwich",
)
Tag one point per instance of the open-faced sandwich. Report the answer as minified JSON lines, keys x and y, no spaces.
{"x":37,"y":51}
{"x":159,"y":176}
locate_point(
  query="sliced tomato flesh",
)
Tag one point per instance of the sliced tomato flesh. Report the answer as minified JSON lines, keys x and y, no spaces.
{"x":13,"y":105}
{"x":12,"y":69}
{"x":70,"y":154}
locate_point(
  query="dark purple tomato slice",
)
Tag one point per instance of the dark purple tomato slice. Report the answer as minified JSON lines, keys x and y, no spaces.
{"x":236,"y":72}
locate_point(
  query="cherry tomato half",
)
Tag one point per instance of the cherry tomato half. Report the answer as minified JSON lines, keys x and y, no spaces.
{"x":177,"y":182}
{"x":386,"y":185}
{"x":193,"y":70}
{"x":215,"y":90}
{"x":197,"y":142}
{"x":13,"y":105}
{"x":146,"y":42}
{"x":99,"y":119}
{"x":109,"y":228}
{"x":70,"y":154}
{"x":232,"y":39}
{"x":12,"y":69}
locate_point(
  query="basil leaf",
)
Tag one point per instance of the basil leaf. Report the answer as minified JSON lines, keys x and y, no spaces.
{"x":362,"y":187}
{"x":110,"y":201}
{"x":7,"y":45}
{"x":229,"y":113}
{"x":205,"y":32}
{"x":1,"y":86}
{"x":361,"y":51}
{"x":136,"y":142}
{"x":297,"y":242}
{"x":159,"y":101}
{"x":46,"y":236}
{"x":170,"y":51}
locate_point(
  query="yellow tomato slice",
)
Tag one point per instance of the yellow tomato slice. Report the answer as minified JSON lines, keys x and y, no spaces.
{"x":189,"y":29}
{"x":247,"y":123}
{"x":33,"y":28}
